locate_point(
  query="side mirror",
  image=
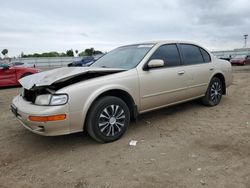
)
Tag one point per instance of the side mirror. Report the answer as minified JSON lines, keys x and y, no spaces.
{"x":155,"y":63}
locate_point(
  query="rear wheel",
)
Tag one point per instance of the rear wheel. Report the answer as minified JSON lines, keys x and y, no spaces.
{"x":214,"y":93}
{"x":108,"y":119}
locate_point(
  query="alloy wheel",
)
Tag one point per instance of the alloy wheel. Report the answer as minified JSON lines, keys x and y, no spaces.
{"x":111,"y":120}
{"x":216,"y":92}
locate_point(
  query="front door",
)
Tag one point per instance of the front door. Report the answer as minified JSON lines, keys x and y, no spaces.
{"x":164,"y":85}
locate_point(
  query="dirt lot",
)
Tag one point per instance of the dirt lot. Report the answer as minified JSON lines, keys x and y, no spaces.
{"x":188,"y":145}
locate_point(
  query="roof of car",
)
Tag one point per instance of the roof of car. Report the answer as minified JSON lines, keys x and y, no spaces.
{"x":161,"y":42}
{"x":164,"y":42}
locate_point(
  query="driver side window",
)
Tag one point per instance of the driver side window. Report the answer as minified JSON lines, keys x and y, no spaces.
{"x":169,"y":54}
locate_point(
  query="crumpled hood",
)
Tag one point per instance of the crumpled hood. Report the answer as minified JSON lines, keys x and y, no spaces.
{"x":47,"y":78}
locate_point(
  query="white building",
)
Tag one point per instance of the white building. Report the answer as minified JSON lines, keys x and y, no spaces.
{"x":228,"y":54}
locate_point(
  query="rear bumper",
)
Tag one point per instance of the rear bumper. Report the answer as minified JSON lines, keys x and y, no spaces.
{"x":23,"y":109}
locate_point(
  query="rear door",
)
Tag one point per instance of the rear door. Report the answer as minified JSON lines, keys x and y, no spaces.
{"x":163,"y":85}
{"x":198,"y":66}
{"x":7,"y":76}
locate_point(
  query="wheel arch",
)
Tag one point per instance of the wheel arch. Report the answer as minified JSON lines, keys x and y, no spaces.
{"x":125,"y":96}
{"x":121,"y":93}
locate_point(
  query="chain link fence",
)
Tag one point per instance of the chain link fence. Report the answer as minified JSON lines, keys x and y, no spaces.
{"x":46,"y":62}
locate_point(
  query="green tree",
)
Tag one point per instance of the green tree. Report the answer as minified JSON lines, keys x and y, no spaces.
{"x":50,"y":54}
{"x":63,"y":54}
{"x":4,"y":51}
{"x":45,"y":54}
{"x":70,"y":53}
{"x":89,"y":51}
{"x":82,"y":54}
{"x":86,"y":52}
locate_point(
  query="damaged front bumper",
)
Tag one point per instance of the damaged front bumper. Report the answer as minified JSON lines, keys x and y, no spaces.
{"x":23,"y":110}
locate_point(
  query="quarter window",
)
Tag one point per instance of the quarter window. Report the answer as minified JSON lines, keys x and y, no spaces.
{"x":205,"y":55}
{"x":169,"y":54}
{"x":191,"y":54}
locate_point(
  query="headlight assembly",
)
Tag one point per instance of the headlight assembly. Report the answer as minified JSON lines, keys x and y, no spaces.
{"x":59,"y":99}
{"x":51,"y":100}
{"x":43,"y":99}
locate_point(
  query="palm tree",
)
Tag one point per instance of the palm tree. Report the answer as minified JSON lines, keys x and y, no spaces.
{"x":4,"y":52}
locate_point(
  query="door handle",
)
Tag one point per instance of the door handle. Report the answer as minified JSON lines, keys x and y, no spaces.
{"x":181,"y":72}
{"x":211,"y":69}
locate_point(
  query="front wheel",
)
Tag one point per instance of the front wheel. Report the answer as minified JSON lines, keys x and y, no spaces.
{"x":108,"y":119}
{"x":214,"y":93}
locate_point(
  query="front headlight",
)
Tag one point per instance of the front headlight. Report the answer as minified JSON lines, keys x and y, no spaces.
{"x":59,"y":99}
{"x":43,"y":99}
{"x":53,"y":100}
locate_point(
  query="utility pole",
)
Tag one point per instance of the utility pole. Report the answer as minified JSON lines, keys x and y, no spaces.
{"x":245,"y":38}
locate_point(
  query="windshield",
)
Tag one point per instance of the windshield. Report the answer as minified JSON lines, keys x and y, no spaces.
{"x":126,"y":57}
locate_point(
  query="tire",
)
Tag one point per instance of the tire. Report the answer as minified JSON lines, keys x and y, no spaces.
{"x":108,"y":119}
{"x":214,"y":93}
{"x":25,"y":74}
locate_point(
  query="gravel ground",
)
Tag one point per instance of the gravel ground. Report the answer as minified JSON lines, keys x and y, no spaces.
{"x":187,"y":145}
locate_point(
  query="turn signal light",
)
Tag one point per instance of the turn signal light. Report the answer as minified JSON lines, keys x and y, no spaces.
{"x":48,"y":118}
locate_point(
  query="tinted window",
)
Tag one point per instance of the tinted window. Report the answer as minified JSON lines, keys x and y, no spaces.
{"x":205,"y":55}
{"x":191,"y":54}
{"x":169,"y":54}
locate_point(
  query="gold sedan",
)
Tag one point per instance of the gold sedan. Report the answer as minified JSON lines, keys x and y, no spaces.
{"x":124,"y":83}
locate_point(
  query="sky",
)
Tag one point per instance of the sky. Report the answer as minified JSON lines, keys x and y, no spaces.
{"x":31,"y":26}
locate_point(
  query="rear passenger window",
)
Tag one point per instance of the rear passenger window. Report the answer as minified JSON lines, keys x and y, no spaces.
{"x":205,"y":55}
{"x":191,"y":54}
{"x":169,"y":54}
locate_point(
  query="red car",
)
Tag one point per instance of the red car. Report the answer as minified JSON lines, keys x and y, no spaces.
{"x":9,"y":75}
{"x":240,"y":60}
